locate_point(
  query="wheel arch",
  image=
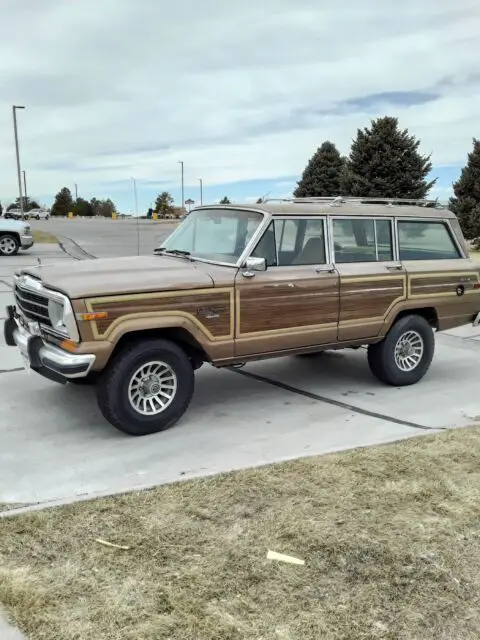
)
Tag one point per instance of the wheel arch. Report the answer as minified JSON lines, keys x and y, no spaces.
{"x":179,"y":335}
{"x":429,"y":313}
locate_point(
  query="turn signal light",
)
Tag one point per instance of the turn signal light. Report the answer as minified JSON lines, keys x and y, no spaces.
{"x":94,"y":315}
{"x":68,"y":345}
{"x":476,"y":285}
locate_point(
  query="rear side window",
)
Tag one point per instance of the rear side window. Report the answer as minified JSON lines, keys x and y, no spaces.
{"x":420,"y":240}
{"x":357,"y":240}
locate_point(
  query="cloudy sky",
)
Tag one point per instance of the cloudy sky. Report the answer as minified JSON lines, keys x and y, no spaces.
{"x":243,"y":93}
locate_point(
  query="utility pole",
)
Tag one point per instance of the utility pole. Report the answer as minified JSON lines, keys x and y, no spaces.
{"x":76,"y":192}
{"x":180,"y":162}
{"x":201,"y":191}
{"x":25,"y":187}
{"x":14,"y":109}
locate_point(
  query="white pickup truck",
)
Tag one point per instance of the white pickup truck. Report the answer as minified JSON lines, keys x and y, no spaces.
{"x":14,"y":235}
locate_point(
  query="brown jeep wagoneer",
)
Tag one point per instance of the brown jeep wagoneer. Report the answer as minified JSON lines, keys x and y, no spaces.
{"x":238,"y":283}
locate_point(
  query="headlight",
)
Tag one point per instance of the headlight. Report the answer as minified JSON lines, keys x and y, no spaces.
{"x":26,"y":231}
{"x":56,"y":311}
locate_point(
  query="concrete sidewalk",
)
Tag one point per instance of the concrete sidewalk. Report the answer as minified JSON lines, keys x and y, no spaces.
{"x":7,"y":632}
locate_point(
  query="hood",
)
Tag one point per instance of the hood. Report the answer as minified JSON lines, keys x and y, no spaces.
{"x":118,"y":276}
{"x":8,"y":224}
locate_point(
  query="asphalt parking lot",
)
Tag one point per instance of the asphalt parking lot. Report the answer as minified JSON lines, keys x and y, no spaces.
{"x":54,"y":444}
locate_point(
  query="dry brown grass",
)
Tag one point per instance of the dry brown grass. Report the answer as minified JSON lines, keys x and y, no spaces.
{"x":44,"y":237}
{"x":390,"y":536}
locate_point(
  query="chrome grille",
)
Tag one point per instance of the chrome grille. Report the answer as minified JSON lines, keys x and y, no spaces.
{"x":33,"y":306}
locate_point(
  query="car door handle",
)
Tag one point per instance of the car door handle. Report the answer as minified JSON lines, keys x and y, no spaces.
{"x":397,"y":267}
{"x":325,"y":270}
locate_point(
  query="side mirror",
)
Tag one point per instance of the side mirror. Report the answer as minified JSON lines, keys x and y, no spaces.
{"x":252,"y":265}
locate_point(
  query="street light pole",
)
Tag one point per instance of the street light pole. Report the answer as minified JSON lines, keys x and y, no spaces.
{"x":25,"y":187}
{"x":180,"y":162}
{"x":201,"y":191}
{"x":14,"y":109}
{"x":76,"y":192}
{"x":136,"y":198}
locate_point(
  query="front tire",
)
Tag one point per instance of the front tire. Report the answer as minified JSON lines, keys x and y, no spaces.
{"x":404,"y":356}
{"x":9,"y":245}
{"x":146,"y":388}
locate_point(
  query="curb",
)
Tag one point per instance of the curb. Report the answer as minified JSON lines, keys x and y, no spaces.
{"x":74,"y":250}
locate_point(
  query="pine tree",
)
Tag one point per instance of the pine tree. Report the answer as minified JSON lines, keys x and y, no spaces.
{"x":225,"y":200}
{"x":322,"y":175}
{"x":466,"y":203}
{"x":63,"y":203}
{"x":82,"y":208}
{"x":385,"y":162}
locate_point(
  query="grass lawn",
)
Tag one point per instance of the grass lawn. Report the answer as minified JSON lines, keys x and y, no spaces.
{"x":43,"y":237}
{"x":390,"y":536}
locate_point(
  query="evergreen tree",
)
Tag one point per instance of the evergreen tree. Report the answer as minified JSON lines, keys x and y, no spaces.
{"x":466,"y":203}
{"x":82,"y":208}
{"x":260,"y":201}
{"x":63,"y":203}
{"x":385,"y":162}
{"x":164,"y":204}
{"x":322,"y":175}
{"x":106,"y":208}
{"x":95,"y":206}
{"x":225,"y":200}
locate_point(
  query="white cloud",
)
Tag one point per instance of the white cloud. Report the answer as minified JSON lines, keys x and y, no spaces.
{"x":237,"y":91}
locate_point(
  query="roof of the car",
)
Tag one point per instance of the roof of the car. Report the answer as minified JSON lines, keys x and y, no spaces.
{"x":354,"y":207}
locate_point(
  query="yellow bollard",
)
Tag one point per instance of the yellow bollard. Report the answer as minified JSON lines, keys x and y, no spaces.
{"x":155,"y":215}
{"x":114,"y":215}
{"x":70,"y":215}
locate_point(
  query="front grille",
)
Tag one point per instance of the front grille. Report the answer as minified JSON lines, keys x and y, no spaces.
{"x":33,"y":306}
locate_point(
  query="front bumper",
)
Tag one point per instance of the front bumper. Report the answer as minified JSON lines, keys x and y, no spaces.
{"x":46,"y":359}
{"x":476,"y":321}
{"x":26,"y":242}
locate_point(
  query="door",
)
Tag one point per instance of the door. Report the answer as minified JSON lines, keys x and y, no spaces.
{"x":295,"y":302}
{"x":372,"y":282}
{"x":437,"y":273}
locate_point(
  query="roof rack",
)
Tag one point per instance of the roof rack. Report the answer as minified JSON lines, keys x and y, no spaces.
{"x":339,"y":200}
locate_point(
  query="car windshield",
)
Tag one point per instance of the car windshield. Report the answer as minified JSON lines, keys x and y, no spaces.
{"x":216,"y":235}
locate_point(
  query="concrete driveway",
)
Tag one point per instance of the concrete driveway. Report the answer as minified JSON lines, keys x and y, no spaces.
{"x":54,"y":443}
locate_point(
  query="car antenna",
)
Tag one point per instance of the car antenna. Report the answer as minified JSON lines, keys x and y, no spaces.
{"x":136,"y":214}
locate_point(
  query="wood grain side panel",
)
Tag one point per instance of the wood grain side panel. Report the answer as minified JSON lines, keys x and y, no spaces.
{"x":270,"y":307}
{"x":369,"y":299}
{"x":441,"y":284}
{"x":212,"y":310}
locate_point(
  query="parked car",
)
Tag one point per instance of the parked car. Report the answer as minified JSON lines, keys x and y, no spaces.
{"x":39,"y":214}
{"x":14,"y":235}
{"x":14,"y":214}
{"x":238,"y":283}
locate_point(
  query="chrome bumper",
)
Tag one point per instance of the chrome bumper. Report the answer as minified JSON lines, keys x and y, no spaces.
{"x":46,"y":359}
{"x":26,"y":242}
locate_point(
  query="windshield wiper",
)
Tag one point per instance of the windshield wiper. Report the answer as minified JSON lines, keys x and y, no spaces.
{"x":175,"y":252}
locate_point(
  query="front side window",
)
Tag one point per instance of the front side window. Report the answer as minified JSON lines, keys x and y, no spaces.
{"x":420,"y":240}
{"x":219,"y":235}
{"x":357,"y":240}
{"x":291,"y":242}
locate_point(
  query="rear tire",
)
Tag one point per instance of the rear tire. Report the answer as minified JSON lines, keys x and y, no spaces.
{"x":146,"y":388}
{"x":9,"y":245}
{"x":404,"y":356}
